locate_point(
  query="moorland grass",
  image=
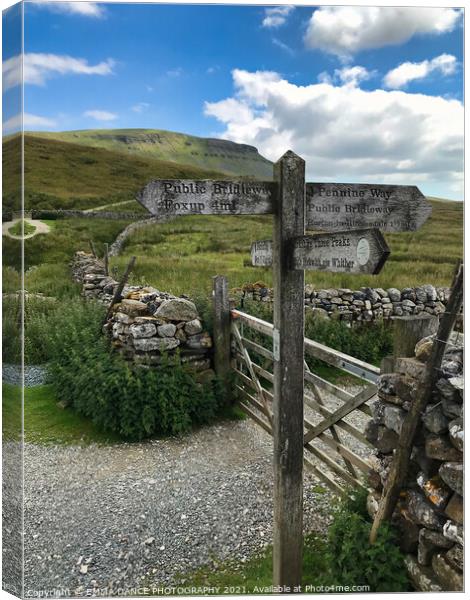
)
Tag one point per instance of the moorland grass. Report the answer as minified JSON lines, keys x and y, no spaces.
{"x":181,"y":256}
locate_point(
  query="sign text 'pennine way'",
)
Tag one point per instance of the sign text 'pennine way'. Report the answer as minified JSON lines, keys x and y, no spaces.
{"x":362,"y":251}
{"x":168,"y":197}
{"x":340,"y":206}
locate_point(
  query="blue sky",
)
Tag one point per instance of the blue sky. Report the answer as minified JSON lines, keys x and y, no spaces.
{"x":362,"y":95}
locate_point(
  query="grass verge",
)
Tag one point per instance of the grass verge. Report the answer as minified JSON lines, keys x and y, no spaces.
{"x":45,"y":422}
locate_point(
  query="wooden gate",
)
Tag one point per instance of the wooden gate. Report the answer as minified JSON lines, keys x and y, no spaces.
{"x":336,"y":449}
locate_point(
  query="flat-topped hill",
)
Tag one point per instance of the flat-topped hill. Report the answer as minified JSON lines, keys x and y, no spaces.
{"x":207,"y":153}
{"x":66,"y":175}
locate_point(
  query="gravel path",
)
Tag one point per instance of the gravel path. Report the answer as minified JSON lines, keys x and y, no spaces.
{"x":119,"y":516}
{"x":33,"y":374}
{"x":40,"y":228}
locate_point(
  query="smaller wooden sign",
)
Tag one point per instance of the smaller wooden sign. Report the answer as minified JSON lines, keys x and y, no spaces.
{"x":166,"y":197}
{"x":359,"y":251}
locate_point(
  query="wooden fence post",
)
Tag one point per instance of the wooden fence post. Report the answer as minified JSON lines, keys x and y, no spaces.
{"x":288,"y":349}
{"x":120,"y":287}
{"x":221,"y":310}
{"x":409,"y":330}
{"x":106,"y":259}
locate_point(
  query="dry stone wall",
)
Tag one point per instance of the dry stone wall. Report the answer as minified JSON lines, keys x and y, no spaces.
{"x":429,"y":514}
{"x":146,"y":323}
{"x":365,"y":304}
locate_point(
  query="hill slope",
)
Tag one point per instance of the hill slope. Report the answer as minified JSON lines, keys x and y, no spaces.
{"x":64,"y":175}
{"x":207,"y":153}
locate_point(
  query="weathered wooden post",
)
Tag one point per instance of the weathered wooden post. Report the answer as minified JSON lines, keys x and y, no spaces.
{"x":221,"y":310}
{"x":408,"y":330}
{"x":288,"y":348}
{"x":106,"y":259}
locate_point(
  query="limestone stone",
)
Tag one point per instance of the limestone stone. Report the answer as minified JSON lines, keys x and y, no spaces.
{"x":430,"y":542}
{"x":434,"y":489}
{"x":199,"y":341}
{"x":421,"y":512}
{"x":394,"y":417}
{"x":387,"y":440}
{"x":423,"y":348}
{"x":456,"y":433}
{"x":423,"y":578}
{"x":408,"y":532}
{"x":406,"y":388}
{"x":132,"y":307}
{"x":434,"y":419}
{"x":177,"y":309}
{"x":180,"y":335}
{"x":411,"y":367}
{"x":452,"y":474}
{"x":123,"y":318}
{"x":453,"y":531}
{"x":193,"y":327}
{"x":166,"y":330}
{"x":440,"y":448}
{"x":455,"y":557}
{"x":452,"y":409}
{"x":372,"y":503}
{"x":454,"y":510}
{"x":152,"y":344}
{"x":387,"y":382}
{"x":320,"y":313}
{"x":143,"y":330}
{"x":450,"y":578}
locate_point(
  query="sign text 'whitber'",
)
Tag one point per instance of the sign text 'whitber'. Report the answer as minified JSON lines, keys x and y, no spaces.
{"x":362,"y":251}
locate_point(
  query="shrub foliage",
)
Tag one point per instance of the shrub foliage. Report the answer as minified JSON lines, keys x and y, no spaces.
{"x":134,"y":402}
{"x":353,"y":560}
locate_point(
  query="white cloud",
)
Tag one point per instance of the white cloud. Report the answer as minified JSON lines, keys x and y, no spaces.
{"x":276,"y":16}
{"x":30,"y":121}
{"x":344,"y":132}
{"x":140,"y":107}
{"x":100,"y":115}
{"x":85,"y":9}
{"x":344,"y":30}
{"x":408,"y":71}
{"x":283,"y":46}
{"x":39,"y":67}
{"x":352,"y":76}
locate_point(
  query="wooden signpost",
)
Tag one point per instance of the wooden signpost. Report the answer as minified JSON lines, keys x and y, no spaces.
{"x":355,"y":213}
{"x":343,"y":206}
{"x":362,"y":251}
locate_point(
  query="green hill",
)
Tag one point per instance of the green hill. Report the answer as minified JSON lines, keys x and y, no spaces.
{"x":207,"y":153}
{"x":72,"y":176}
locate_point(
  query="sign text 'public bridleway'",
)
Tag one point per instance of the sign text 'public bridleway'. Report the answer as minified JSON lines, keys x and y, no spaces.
{"x":340,"y":206}
{"x":166,"y":197}
{"x":362,"y":251}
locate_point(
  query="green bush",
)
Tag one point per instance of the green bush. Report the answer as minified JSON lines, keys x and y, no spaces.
{"x":134,"y":402}
{"x":353,"y":560}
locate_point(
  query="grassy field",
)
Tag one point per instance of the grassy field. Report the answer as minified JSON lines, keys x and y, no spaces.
{"x":203,"y":153}
{"x":45,"y":422}
{"x":64,"y":175}
{"x":181,"y":256}
{"x":47,"y":257}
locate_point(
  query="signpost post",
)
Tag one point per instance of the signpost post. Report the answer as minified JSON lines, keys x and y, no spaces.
{"x":352,"y":214}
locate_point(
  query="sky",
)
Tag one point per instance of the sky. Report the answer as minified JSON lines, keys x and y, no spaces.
{"x":363,"y":94}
